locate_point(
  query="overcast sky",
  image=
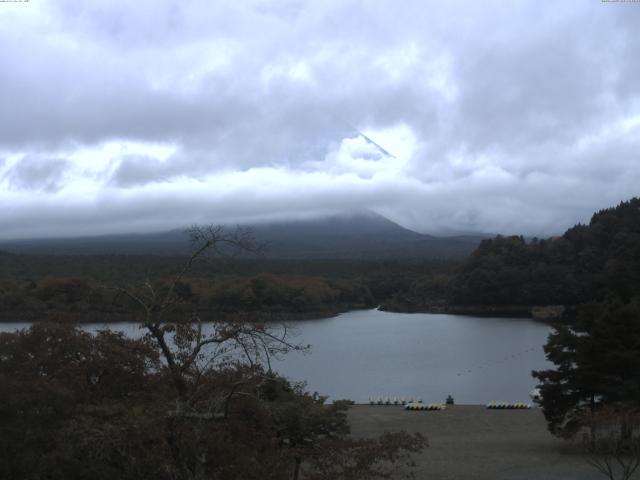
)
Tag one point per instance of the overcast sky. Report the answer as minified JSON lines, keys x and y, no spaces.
{"x":510,"y":117}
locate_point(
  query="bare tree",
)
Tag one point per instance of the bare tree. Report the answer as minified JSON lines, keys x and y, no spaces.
{"x":612,"y":445}
{"x":188,"y":347}
{"x":220,"y":368}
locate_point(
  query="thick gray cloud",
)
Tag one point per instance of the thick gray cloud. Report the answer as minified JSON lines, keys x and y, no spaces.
{"x":39,"y":174}
{"x":125,"y":116}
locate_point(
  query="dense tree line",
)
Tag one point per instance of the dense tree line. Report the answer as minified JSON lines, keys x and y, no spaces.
{"x":588,"y":262}
{"x":117,"y":267}
{"x":88,"y":299}
{"x":84,"y":287}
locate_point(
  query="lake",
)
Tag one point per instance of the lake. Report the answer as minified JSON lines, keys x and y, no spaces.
{"x":370,"y":353}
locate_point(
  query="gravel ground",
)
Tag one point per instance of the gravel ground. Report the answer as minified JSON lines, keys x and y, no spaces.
{"x":471,"y":442}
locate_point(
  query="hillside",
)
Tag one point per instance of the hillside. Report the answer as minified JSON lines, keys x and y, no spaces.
{"x":588,"y":262}
{"x":312,"y":268}
{"x":362,"y":235}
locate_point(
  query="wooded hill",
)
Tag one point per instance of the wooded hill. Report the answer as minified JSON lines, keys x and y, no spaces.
{"x":504,"y":275}
{"x":310,"y":268}
{"x":589,"y":262}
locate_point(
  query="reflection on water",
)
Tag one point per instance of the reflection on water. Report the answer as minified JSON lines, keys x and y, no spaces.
{"x":368,"y":353}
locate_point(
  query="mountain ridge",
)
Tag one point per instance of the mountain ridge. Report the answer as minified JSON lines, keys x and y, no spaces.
{"x":352,"y":235}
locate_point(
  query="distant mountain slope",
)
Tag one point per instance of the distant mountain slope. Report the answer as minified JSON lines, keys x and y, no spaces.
{"x":356,"y":235}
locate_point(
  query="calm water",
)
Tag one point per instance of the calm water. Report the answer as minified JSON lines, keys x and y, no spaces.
{"x":368,"y":353}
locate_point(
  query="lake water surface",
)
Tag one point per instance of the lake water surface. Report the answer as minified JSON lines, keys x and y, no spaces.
{"x":369,"y":353}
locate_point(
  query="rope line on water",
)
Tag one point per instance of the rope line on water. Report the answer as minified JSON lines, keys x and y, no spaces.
{"x":506,"y":358}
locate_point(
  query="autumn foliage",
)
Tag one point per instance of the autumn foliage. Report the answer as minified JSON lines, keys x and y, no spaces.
{"x":76,"y":405}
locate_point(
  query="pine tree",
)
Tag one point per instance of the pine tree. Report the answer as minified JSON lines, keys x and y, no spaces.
{"x":597,"y":364}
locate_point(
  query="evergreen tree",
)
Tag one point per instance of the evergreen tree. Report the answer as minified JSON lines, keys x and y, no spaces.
{"x":588,"y":262}
{"x":597,"y":362}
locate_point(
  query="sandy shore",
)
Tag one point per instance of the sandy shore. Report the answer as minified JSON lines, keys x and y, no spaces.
{"x":471,"y":442}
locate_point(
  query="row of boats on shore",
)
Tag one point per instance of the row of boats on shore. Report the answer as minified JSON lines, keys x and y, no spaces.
{"x":393,"y":400}
{"x":417,"y":404}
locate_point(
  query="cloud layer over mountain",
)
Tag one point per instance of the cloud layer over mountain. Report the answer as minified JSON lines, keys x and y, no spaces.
{"x":514,"y":117}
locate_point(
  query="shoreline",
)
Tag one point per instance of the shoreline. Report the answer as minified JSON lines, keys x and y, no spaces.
{"x":124,"y":317}
{"x":514,"y":312}
{"x":545,"y":313}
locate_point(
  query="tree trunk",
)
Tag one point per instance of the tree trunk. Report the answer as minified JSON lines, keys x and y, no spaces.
{"x":296,"y":469}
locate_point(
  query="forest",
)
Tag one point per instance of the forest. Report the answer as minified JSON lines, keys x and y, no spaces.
{"x":512,"y":274}
{"x":85,"y":287}
{"x":506,"y":275}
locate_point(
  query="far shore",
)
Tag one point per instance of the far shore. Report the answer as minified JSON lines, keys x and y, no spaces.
{"x":545,"y":313}
{"x":206,"y":316}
